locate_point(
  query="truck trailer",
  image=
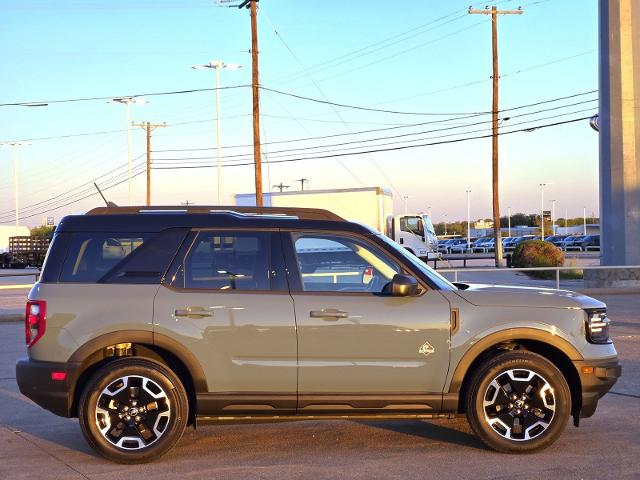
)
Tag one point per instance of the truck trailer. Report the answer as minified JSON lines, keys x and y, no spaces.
{"x":372,"y":206}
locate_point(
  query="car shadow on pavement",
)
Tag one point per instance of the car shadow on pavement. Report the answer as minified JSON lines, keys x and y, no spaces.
{"x":431,"y":431}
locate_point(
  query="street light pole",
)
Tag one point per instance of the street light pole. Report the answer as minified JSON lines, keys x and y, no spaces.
{"x":542,"y":210}
{"x":127,"y":101}
{"x":553,"y":217}
{"x":584,"y":220}
{"x":217,"y":65}
{"x":468,"y":219}
{"x":444,"y":215}
{"x":509,"y":221}
{"x":14,"y":147}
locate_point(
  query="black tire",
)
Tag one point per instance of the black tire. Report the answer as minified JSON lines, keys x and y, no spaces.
{"x":107,"y":399}
{"x":520,"y":424}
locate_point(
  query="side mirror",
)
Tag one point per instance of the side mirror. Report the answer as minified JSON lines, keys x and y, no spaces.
{"x":402,"y":286}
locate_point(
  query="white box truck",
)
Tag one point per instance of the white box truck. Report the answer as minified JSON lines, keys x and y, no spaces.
{"x":372,"y":206}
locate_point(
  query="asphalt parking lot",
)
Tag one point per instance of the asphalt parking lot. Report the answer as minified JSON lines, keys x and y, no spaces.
{"x":36,"y":444}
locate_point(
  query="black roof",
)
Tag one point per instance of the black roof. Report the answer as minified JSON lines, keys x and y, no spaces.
{"x":155,"y":219}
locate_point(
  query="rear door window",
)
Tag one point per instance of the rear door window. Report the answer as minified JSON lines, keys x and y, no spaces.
{"x":227,"y":260}
{"x":92,"y":255}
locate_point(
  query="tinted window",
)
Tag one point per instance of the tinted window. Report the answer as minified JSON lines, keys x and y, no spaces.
{"x":91,"y":255}
{"x":149,"y":262}
{"x":229,"y":261}
{"x":333,"y":263}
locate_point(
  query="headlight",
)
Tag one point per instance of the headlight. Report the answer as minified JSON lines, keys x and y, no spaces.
{"x":597,"y":326}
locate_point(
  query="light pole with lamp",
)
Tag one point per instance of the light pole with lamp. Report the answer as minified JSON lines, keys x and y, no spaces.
{"x":127,"y":101}
{"x":553,"y":217}
{"x":217,"y":65}
{"x":509,"y":221}
{"x":468,"y":219}
{"x":542,"y":185}
{"x":444,"y":215}
{"x":14,"y":146}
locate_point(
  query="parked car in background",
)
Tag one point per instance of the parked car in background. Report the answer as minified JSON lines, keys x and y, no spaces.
{"x":590,"y":242}
{"x":518,"y":240}
{"x":443,"y":245}
{"x":572,"y":243}
{"x":479,"y":244}
{"x":459,"y":245}
{"x":555,"y":239}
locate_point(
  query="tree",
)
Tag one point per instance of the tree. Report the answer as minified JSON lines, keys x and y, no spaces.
{"x":42,"y":231}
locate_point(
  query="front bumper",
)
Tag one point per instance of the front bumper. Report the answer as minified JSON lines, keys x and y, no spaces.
{"x":596,"y":377}
{"x":35,"y":382}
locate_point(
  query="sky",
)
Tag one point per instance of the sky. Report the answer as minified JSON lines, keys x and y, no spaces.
{"x":426,"y":64}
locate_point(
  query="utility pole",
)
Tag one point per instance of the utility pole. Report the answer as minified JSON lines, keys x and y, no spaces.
{"x":302,"y":182}
{"x":255,"y":86}
{"x":281,"y":186}
{"x":148,"y":126}
{"x":494,"y":12}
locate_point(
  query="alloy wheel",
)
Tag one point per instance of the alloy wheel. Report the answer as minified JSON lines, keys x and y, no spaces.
{"x":132,"y":412}
{"x":519,"y":404}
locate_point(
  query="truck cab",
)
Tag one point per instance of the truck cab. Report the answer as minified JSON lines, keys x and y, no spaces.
{"x":415,"y":233}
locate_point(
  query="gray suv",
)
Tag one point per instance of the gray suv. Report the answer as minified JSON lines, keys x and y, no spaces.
{"x":146,"y":320}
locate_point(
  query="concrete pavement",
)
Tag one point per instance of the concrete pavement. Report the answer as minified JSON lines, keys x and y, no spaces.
{"x":36,"y":444}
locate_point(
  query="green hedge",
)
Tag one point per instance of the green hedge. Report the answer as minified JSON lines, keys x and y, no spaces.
{"x":537,"y":253}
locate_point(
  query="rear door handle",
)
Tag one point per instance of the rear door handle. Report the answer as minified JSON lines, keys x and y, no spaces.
{"x":192,"y":312}
{"x":329,"y":314}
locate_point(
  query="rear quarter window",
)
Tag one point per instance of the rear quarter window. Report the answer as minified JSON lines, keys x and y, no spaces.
{"x":93,"y":255}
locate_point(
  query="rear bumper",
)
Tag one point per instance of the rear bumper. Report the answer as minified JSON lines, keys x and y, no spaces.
{"x":596,"y":377}
{"x":35,"y":382}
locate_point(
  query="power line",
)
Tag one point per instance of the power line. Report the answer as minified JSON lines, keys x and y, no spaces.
{"x":90,"y":182}
{"x":375,"y":130}
{"x":528,"y":129}
{"x":458,"y":140}
{"x":323,"y":147}
{"x":110,"y":97}
{"x":79,"y":199}
{"x":368,"y":109}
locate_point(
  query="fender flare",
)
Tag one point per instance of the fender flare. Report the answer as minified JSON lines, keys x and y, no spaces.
{"x":147,"y":337}
{"x":508,"y":335}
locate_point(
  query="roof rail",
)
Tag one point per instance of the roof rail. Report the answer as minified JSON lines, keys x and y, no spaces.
{"x":301,"y":213}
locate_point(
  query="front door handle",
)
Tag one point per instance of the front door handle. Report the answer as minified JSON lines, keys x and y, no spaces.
{"x":192,"y":312}
{"x":329,"y":314}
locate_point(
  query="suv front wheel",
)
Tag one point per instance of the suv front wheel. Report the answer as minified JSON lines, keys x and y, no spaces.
{"x":518,"y":402}
{"x":133,"y":410}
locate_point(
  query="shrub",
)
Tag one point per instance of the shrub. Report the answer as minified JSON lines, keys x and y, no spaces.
{"x":537,"y":253}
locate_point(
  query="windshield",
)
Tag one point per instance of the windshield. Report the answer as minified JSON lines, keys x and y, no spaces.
{"x":412,"y":225}
{"x":440,"y":282}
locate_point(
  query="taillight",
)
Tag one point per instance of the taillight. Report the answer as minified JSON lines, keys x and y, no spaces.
{"x":35,"y":321}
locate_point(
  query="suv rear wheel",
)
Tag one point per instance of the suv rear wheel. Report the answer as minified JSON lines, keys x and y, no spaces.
{"x":518,"y":402}
{"x":133,"y":410}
